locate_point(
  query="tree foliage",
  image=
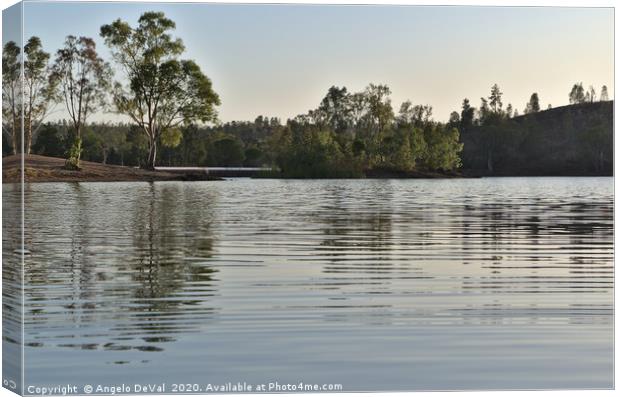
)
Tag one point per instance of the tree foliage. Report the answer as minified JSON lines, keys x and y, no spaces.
{"x":468,"y":114}
{"x":495,"y":99}
{"x":38,"y":89}
{"x":533,"y":106}
{"x":577,"y":94}
{"x":12,"y":94}
{"x":604,"y":94}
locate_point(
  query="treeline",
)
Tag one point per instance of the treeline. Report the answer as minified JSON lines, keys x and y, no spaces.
{"x":357,"y":134}
{"x":347,"y":135}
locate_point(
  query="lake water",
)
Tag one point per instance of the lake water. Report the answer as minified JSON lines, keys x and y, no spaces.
{"x":498,"y":283}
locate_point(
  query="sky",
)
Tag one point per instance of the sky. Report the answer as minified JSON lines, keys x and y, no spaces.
{"x":280,"y":60}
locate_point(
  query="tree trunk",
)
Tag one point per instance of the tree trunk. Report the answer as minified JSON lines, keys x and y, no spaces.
{"x":15,"y":141}
{"x":15,"y":135}
{"x":78,"y":134}
{"x":150,"y":162}
{"x":28,"y":137}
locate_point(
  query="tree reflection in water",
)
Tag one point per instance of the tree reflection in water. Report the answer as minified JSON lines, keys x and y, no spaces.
{"x":124,"y":271}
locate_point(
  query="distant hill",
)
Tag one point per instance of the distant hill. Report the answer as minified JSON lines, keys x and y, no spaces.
{"x":568,"y":140}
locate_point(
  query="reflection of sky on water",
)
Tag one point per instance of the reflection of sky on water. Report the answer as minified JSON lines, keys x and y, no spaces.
{"x":328,"y":281}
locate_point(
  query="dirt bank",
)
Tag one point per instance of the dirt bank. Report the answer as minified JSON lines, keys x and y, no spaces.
{"x":51,"y":169}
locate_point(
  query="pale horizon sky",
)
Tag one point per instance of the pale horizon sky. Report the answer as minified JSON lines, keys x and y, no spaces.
{"x":280,"y":60}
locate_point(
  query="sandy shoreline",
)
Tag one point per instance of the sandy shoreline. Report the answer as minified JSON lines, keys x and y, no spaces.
{"x":51,"y":169}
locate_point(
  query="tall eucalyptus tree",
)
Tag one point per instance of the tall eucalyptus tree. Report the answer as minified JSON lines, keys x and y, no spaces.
{"x":83,"y":78}
{"x":162,"y":91}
